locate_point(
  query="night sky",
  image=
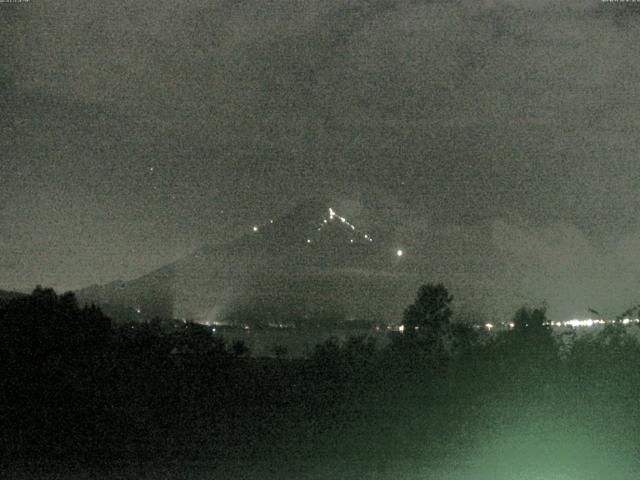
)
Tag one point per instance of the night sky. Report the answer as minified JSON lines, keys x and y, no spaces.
{"x":496,"y":140}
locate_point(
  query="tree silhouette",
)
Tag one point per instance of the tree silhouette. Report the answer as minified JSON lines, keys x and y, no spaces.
{"x":531,"y":321}
{"x":431,"y":311}
{"x":426,"y":322}
{"x":532,"y":339}
{"x":280,"y":351}
{"x":239,"y":348}
{"x":44,"y":324}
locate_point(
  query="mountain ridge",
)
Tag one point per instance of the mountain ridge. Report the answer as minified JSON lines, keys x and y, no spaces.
{"x":309,"y":263}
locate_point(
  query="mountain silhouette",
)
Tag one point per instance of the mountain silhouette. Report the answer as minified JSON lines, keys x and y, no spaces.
{"x":311,"y":264}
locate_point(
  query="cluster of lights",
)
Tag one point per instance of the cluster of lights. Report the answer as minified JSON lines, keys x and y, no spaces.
{"x":589,"y":322}
{"x":333,"y":216}
{"x":573,"y":323}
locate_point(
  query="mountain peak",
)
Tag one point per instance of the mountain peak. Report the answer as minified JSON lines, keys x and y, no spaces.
{"x":310,"y":210}
{"x":305,"y":262}
{"x":311,"y":222}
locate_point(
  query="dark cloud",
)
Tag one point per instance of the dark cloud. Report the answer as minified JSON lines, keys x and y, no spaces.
{"x":136,"y":131}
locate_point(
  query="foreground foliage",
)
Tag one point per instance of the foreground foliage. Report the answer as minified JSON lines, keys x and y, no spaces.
{"x":74,"y":388}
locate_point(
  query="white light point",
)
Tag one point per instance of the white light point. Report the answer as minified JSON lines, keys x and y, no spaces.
{"x":399,"y":253}
{"x":308,"y":240}
{"x":255,"y":228}
{"x":333,"y":214}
